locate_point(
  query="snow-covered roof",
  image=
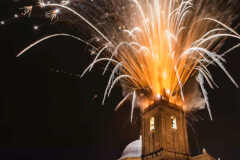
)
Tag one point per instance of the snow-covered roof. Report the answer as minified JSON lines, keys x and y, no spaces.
{"x":133,"y":150}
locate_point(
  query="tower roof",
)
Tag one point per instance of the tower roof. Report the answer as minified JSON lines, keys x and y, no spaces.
{"x":163,"y":103}
{"x":133,"y":150}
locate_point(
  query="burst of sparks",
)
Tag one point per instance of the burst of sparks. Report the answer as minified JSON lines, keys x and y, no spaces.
{"x":163,"y":44}
{"x":54,"y":13}
{"x":27,"y":10}
{"x":41,"y":3}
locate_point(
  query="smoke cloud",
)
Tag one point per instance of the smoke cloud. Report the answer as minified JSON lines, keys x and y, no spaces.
{"x":193,"y":96}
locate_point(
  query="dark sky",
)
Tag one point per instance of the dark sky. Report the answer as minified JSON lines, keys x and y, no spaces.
{"x":51,"y":115}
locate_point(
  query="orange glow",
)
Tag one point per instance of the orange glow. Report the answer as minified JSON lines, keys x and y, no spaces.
{"x":167,"y":45}
{"x":152,"y":65}
{"x":163,"y":44}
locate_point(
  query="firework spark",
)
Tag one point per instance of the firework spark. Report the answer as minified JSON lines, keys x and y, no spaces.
{"x":163,"y":44}
{"x":27,"y":11}
{"x":53,"y":14}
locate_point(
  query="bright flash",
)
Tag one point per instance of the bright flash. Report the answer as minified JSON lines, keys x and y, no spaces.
{"x":164,"y":74}
{"x":35,"y":27}
{"x":158,"y":96}
{"x":168,"y":91}
{"x":16,"y":16}
{"x":53,"y":14}
{"x":57,"y":11}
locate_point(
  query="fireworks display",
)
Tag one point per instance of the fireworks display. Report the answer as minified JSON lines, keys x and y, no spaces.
{"x":154,"y":48}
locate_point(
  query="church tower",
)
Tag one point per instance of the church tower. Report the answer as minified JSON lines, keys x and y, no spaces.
{"x":164,"y":133}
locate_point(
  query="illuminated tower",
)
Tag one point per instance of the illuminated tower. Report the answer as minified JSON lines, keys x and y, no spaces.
{"x":164,"y":133}
{"x":164,"y":136}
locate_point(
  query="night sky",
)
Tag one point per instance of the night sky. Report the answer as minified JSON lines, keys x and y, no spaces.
{"x":48,"y":113}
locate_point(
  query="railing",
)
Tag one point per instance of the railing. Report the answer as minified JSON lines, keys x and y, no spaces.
{"x":155,"y":153}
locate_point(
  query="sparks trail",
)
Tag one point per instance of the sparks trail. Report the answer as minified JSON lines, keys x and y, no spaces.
{"x":78,"y":15}
{"x":54,"y":36}
{"x":163,"y":44}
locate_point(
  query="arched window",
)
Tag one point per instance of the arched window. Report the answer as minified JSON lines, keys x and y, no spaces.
{"x":173,"y":122}
{"x":152,"y":123}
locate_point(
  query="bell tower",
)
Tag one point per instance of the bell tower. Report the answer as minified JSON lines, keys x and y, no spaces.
{"x":164,"y":133}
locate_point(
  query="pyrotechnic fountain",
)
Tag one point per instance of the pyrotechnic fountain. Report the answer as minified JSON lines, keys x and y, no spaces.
{"x":160,"y":51}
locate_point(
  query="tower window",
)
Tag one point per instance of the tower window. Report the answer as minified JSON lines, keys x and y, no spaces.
{"x":152,"y":125}
{"x":173,"y":122}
